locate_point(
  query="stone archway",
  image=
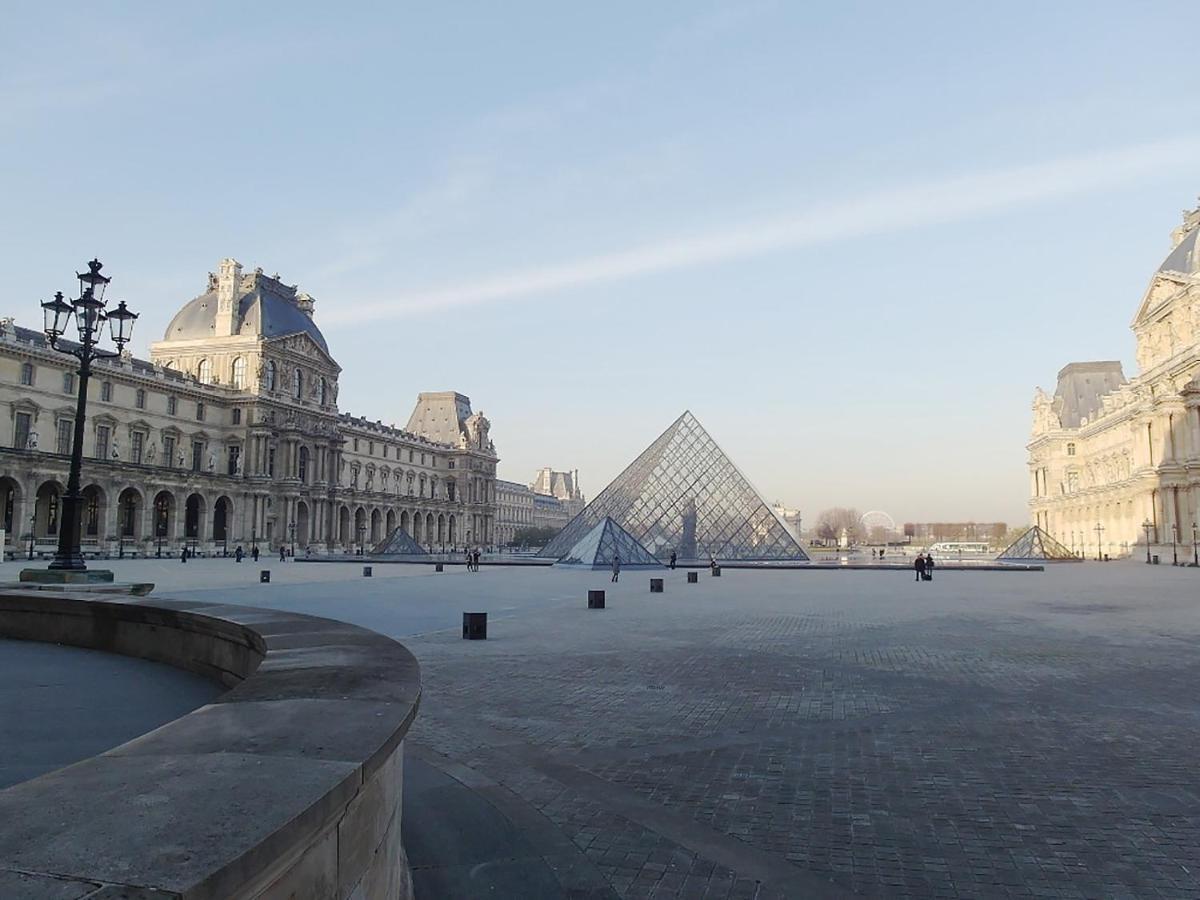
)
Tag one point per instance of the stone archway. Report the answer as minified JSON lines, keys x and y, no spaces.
{"x":441,"y":531}
{"x":47,"y":510}
{"x":376,"y":524}
{"x":10,"y":500}
{"x":222,"y":518}
{"x":193,"y":514}
{"x":390,"y":522}
{"x":404,"y":522}
{"x":94,"y":509}
{"x":164,"y":519}
{"x":453,"y":532}
{"x":360,"y":526}
{"x":430,"y":535}
{"x":303,"y":537}
{"x":129,"y":514}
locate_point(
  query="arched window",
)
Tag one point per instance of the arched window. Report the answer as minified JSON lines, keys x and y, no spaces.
{"x":204,"y":371}
{"x":297,"y":382}
{"x":270,"y":374}
{"x":239,"y":372}
{"x":324,"y":392}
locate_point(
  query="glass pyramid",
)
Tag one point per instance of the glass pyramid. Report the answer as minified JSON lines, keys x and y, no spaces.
{"x":596,"y":549}
{"x":1037,"y":544}
{"x":398,"y":543}
{"x":684,"y":494}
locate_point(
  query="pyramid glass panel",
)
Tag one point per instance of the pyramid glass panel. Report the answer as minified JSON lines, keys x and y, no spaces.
{"x":1037,"y":544}
{"x":597,"y":548}
{"x":398,"y":543}
{"x":683,"y":494}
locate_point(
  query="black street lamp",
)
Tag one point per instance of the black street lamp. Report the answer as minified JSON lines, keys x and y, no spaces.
{"x":1147,"y":525}
{"x":1195,"y":558}
{"x":292,"y":530}
{"x":1099,"y":529}
{"x":1174,"y":543}
{"x":32,"y":526}
{"x":90,"y":314}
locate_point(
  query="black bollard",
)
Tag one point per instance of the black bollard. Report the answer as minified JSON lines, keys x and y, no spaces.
{"x":264,"y":576}
{"x":366,"y":571}
{"x":437,"y":567}
{"x":693,"y":577}
{"x":474,"y":626}
{"x":656,"y":585}
{"x":595,"y":599}
{"x":716,"y":570}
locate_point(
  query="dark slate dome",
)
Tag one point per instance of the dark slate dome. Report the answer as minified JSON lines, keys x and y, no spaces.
{"x":267,"y":308}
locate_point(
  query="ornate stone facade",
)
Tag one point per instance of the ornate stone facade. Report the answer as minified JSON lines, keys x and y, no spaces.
{"x":1119,"y":453}
{"x":231,"y":434}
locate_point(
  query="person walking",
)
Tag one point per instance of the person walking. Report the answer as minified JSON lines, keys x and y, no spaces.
{"x":673,"y":559}
{"x":616,"y":568}
{"x":919,"y":566}
{"x":929,"y":567}
{"x":254,"y":553}
{"x":183,"y":554}
{"x":282,"y":554}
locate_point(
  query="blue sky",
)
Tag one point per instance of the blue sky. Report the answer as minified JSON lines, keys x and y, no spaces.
{"x":850,"y":237}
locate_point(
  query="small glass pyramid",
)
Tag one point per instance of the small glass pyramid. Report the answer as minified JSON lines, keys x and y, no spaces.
{"x":398,"y":543}
{"x":597,"y":548}
{"x":1037,"y":544}
{"x":683,"y":494}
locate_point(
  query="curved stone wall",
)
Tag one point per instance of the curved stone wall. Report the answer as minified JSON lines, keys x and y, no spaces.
{"x":288,"y":785}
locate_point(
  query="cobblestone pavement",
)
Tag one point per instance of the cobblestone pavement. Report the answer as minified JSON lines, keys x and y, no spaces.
{"x":808,"y":734}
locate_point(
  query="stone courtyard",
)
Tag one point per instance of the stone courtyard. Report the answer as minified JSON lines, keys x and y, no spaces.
{"x":783,"y":734}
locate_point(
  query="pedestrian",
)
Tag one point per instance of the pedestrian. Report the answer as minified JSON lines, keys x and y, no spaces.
{"x":881,"y":554}
{"x":616,"y":568}
{"x":919,"y":566}
{"x":183,"y":554}
{"x":929,"y":567}
{"x":712,"y":562}
{"x":283,"y":554}
{"x":238,"y":554}
{"x":672,"y":559}
{"x":475,"y":559}
{"x":254,"y":553}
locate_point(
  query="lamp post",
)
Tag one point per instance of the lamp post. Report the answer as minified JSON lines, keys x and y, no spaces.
{"x":32,"y":526}
{"x":1146,"y":526}
{"x":90,"y":314}
{"x":1174,"y":543}
{"x":1195,"y":558}
{"x":1099,"y":529}
{"x":292,"y":533}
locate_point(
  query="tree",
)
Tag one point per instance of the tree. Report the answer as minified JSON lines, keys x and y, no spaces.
{"x":534,"y":536}
{"x":830,"y":522}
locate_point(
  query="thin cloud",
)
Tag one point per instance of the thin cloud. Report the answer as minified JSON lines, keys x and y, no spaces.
{"x":884,"y":211}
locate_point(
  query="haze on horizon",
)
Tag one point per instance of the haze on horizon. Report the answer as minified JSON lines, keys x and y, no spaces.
{"x":851,"y":237}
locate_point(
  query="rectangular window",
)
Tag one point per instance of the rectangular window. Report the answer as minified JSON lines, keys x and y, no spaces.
{"x":102,"y":436}
{"x":137,"y":442}
{"x":140,"y":398}
{"x":172,"y":406}
{"x":410,"y":456}
{"x":24,"y":424}
{"x":370,"y":448}
{"x":237,"y":417}
{"x":199,"y":412}
{"x":66,"y":433}
{"x":169,"y":452}
{"x":422,"y":459}
{"x":197,"y":455}
{"x":271,"y":462}
{"x":106,"y":391}
{"x":356,"y":445}
{"x":68,"y":382}
{"x":235,"y":453}
{"x":27,"y":373}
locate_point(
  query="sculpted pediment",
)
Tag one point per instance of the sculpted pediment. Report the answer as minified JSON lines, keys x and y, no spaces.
{"x":303,"y":345}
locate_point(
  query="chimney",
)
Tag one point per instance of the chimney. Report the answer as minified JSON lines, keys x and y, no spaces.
{"x":229,"y":278}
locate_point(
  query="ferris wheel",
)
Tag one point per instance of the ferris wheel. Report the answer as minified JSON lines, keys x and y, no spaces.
{"x":876,"y":518}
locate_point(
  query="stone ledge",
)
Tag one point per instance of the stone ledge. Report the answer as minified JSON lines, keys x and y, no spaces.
{"x":285,"y":785}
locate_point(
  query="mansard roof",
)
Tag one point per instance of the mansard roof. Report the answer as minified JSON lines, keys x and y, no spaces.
{"x":266,"y":307}
{"x":1081,"y":385}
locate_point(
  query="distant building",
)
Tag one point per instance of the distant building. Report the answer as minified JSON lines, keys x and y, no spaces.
{"x":562,"y":486}
{"x":934,"y":532}
{"x":514,"y":510}
{"x":550,"y":512}
{"x":790,"y":517}
{"x":1113,"y":462}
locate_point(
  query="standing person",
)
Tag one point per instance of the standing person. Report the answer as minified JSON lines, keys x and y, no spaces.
{"x":616,"y":568}
{"x":238,"y":554}
{"x":672,"y":559}
{"x":254,"y":553}
{"x":881,"y":554}
{"x":929,"y":567}
{"x":183,"y":554}
{"x":919,"y":566}
{"x":282,"y":554}
{"x":475,"y":560}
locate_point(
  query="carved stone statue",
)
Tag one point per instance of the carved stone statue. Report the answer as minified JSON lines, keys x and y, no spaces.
{"x":116,"y":450}
{"x":151,"y":452}
{"x":31,"y":442}
{"x":212,"y":461}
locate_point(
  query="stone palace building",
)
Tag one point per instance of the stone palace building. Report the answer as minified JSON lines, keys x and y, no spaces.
{"x":1125,"y":454}
{"x":231,"y":434}
{"x":551,"y":500}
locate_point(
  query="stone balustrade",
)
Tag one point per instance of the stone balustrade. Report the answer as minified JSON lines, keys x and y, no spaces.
{"x":288,"y":785}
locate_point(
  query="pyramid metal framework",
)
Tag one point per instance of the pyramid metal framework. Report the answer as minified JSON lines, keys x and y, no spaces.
{"x":398,"y":543}
{"x":1037,"y":544}
{"x":684,"y":494}
{"x":597,"y":548}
